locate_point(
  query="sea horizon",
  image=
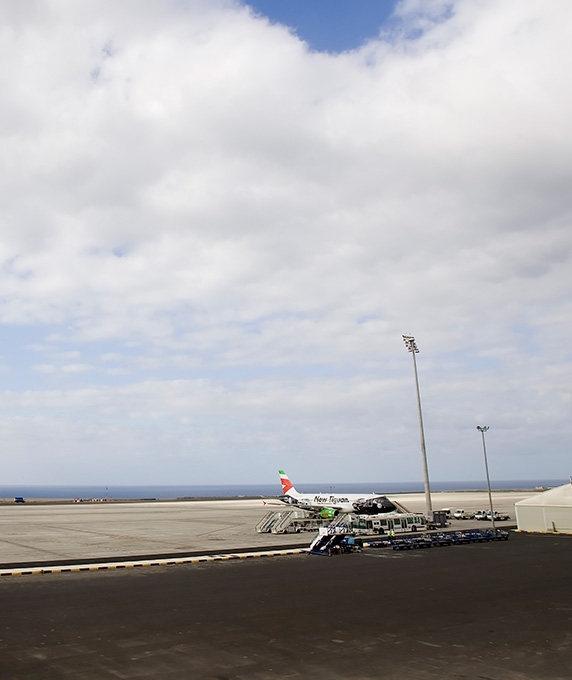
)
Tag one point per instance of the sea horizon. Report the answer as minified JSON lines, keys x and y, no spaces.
{"x":176,"y":491}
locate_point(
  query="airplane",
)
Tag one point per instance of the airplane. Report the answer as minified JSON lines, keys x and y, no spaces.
{"x":361,"y":504}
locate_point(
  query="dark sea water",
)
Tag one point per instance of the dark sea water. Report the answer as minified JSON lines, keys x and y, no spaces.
{"x":234,"y":490}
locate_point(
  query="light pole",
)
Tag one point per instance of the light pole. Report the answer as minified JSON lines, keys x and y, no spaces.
{"x":411,"y":346}
{"x":482,"y":429}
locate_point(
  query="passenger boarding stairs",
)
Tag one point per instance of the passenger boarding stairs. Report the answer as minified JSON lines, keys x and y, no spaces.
{"x":342,"y":519}
{"x":285,"y":521}
{"x":333,"y":540}
{"x":291,"y":521}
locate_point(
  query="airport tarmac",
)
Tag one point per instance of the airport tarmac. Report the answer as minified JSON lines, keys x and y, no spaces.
{"x":78,"y":531}
{"x":494,"y":611}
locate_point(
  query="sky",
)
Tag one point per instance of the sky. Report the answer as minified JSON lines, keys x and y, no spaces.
{"x":330,"y":25}
{"x":218,"y":219}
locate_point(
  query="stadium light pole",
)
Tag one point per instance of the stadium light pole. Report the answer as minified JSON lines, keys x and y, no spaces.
{"x":411,"y":346}
{"x":482,"y":429}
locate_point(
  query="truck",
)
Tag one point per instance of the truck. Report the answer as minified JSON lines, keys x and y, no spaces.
{"x":486,"y":515}
{"x":499,"y":516}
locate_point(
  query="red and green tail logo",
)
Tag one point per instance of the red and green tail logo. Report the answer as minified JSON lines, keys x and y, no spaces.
{"x":286,"y":483}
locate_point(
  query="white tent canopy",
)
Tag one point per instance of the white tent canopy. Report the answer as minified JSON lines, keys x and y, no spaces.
{"x":550,"y":511}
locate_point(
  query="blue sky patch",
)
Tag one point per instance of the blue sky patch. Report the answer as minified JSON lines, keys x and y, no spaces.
{"x":329,"y":25}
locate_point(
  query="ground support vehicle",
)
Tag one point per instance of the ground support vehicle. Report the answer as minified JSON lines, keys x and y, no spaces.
{"x":438,"y":520}
{"x":335,"y":540}
{"x":388,"y":523}
{"x":485,"y":515}
{"x":498,"y":516}
{"x":441,"y":538}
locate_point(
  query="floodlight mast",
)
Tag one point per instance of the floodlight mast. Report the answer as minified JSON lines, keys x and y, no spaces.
{"x":482,"y":429}
{"x":411,"y":346}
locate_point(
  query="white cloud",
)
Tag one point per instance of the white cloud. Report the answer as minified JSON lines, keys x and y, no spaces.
{"x":44,"y":368}
{"x":76,"y":368}
{"x":191,"y":189}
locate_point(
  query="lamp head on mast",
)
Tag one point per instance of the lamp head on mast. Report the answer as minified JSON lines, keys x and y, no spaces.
{"x":410,"y":343}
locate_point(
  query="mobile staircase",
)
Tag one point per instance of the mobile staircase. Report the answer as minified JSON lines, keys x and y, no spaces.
{"x":289,"y":521}
{"x":342,"y":520}
{"x":294,"y":521}
{"x":334,"y":540}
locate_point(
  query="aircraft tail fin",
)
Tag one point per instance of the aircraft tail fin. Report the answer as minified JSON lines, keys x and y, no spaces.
{"x":286,"y":483}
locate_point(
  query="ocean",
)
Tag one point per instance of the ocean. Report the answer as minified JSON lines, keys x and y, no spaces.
{"x":153,"y":491}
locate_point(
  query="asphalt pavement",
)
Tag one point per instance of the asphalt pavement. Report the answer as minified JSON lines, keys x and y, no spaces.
{"x":496,"y":611}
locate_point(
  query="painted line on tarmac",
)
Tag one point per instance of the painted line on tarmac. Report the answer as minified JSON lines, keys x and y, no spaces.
{"x":100,"y":566}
